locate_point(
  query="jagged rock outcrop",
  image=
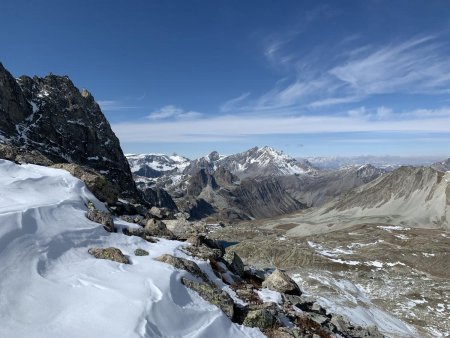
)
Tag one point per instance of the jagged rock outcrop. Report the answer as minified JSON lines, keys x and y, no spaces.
{"x":50,"y":115}
{"x":160,"y":198}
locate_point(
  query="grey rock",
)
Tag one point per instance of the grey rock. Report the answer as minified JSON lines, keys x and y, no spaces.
{"x":18,"y":155}
{"x":102,"y":217}
{"x":262,"y":319}
{"x":97,"y":183}
{"x":204,"y":252}
{"x":141,"y":252}
{"x":281,"y":282}
{"x":183,"y":264}
{"x":112,"y":254}
{"x":235,"y":263}
{"x":157,"y":228}
{"x":213,"y":295}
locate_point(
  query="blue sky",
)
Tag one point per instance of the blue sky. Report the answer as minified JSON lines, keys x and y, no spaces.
{"x":309,"y":77}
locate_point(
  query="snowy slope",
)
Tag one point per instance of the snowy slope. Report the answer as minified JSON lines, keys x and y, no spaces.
{"x":51,"y":287}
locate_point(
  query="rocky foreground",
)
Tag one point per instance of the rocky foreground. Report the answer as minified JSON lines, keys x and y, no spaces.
{"x":267,"y":299}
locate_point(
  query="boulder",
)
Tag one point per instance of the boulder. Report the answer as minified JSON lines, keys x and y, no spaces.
{"x":157,"y":228}
{"x":102,"y":217}
{"x":183,"y":264}
{"x":235,"y":263}
{"x":203,"y":252}
{"x":139,"y":232}
{"x":140,"y":252}
{"x":112,"y":254}
{"x":184,"y":229}
{"x":262,"y":319}
{"x":213,"y":295}
{"x":157,"y":212}
{"x":281,"y":282}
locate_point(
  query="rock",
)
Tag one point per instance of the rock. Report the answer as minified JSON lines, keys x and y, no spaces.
{"x":183,"y":264}
{"x":235,"y":263}
{"x":182,"y":216}
{"x":342,"y":326}
{"x":213,"y":295}
{"x":18,"y":155}
{"x":203,"y":252}
{"x":184,"y":229}
{"x":262,"y":319}
{"x":159,"y":198}
{"x":157,"y":228}
{"x":319,"y":319}
{"x":112,"y":254}
{"x":281,"y":282}
{"x":139,"y":232}
{"x":96,"y":183}
{"x":157,"y":212}
{"x":194,"y":240}
{"x":140,"y":252}
{"x":103,"y":218}
{"x":284,"y":332}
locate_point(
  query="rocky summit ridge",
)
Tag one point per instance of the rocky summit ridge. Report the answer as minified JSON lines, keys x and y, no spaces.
{"x":53,"y":117}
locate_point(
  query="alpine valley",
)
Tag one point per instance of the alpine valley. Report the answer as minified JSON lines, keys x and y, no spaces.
{"x":95,"y":243}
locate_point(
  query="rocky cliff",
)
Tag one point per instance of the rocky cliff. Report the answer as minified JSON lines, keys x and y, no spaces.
{"x":50,"y":115}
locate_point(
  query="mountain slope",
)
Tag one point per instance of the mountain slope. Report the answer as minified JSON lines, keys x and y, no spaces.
{"x":52,"y":116}
{"x":408,"y":196}
{"x":51,"y":286}
{"x":315,"y":190}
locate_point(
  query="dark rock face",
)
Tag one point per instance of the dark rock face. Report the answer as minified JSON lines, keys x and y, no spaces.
{"x":52,"y":116}
{"x":160,"y":198}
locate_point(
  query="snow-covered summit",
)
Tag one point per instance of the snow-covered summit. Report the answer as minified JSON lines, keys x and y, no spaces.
{"x":155,"y":165}
{"x":265,"y":161}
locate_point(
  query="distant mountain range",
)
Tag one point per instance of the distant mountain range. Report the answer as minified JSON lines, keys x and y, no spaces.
{"x":257,"y":183}
{"x":387,"y":162}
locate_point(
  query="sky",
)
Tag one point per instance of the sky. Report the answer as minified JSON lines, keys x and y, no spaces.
{"x":312,"y":78}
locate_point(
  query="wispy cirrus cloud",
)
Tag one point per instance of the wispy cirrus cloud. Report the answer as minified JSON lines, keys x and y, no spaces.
{"x":233,"y":103}
{"x":173,"y":112}
{"x":417,"y":66}
{"x":235,"y":127}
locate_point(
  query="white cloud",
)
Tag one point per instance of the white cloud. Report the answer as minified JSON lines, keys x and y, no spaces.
{"x":171,"y":111}
{"x":415,"y":66}
{"x":233,"y":127}
{"x":384,"y":112}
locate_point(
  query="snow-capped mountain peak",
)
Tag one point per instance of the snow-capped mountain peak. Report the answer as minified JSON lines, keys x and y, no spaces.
{"x":264,"y":161}
{"x":155,"y":165}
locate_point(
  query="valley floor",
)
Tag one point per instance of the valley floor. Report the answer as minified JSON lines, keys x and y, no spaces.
{"x":395,"y":277}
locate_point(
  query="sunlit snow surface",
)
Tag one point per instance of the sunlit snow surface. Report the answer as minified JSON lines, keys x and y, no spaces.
{"x":51,"y":287}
